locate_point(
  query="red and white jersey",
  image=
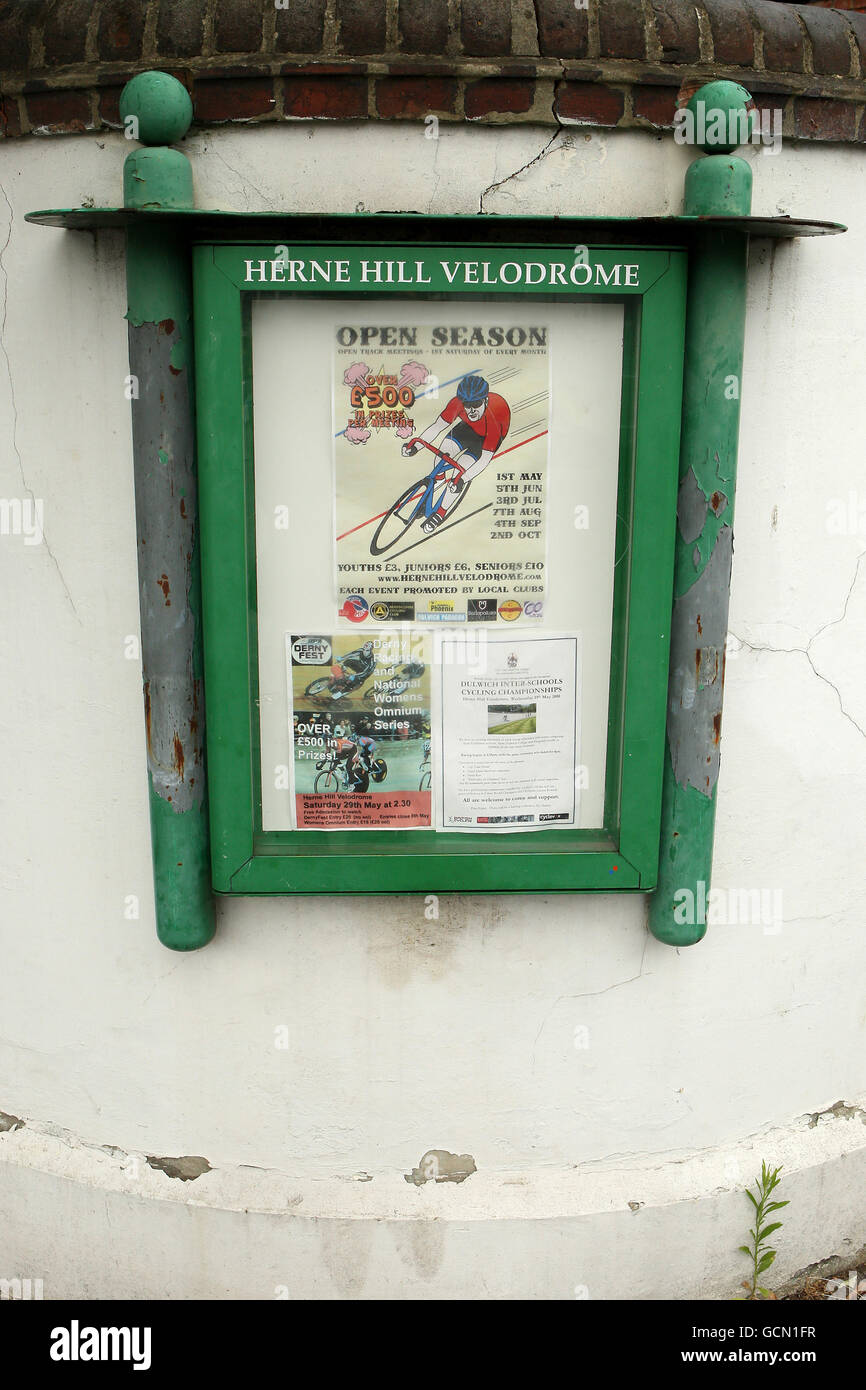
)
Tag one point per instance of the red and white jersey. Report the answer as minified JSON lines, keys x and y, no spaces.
{"x":493,"y":425}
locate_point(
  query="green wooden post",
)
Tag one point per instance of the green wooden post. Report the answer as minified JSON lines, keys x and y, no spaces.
{"x":721,"y":184}
{"x":156,"y":109}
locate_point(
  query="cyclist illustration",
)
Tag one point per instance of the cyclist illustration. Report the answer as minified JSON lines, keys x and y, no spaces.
{"x":477,"y":421}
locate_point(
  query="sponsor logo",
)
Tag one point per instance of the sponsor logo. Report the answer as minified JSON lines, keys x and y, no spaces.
{"x":441,"y":605}
{"x":533,"y":610}
{"x":511,"y":660}
{"x":553,"y":815}
{"x":311,"y":651}
{"x":510,"y":609}
{"x":392,"y":612}
{"x":482,"y":610}
{"x":355,"y":609}
{"x":441,"y":617}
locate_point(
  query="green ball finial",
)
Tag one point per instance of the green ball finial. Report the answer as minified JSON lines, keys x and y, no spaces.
{"x":722,"y":116}
{"x":159,"y":106}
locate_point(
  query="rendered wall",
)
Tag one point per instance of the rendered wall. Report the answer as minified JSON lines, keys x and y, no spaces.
{"x":582,"y":1065}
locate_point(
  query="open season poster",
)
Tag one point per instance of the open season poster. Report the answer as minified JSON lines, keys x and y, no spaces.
{"x":441,"y":467}
{"x":360,"y":730}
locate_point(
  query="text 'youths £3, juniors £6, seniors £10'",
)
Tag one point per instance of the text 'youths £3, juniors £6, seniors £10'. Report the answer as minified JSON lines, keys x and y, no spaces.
{"x":441,"y":466}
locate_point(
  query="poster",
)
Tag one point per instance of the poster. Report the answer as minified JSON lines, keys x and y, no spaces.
{"x":441,"y":469}
{"x":509,"y":737}
{"x":360,"y":731}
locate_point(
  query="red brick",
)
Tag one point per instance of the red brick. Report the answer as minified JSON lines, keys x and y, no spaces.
{"x":621,"y":30}
{"x":783,"y":37}
{"x":829,"y":35}
{"x":60,"y":111}
{"x":815,"y":119}
{"x":591,"y":102}
{"x":485,"y":28}
{"x":121,"y":26}
{"x":328,"y":97}
{"x":233,"y":101}
{"x":655,"y":104}
{"x":562,"y":29}
{"x":677,"y":29}
{"x":238,"y":26}
{"x":361,"y":26}
{"x":423,"y":26}
{"x":65,"y":32}
{"x":498,"y":94}
{"x":300,"y":28}
{"x":10,"y":121}
{"x":733,"y":36}
{"x":15,"y":25}
{"x":179,"y":32}
{"x":411,"y":98}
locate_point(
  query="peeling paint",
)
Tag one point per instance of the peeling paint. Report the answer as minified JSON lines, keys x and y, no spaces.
{"x":186,"y":1169}
{"x":438,"y":1165}
{"x":698,"y":633}
{"x":9,"y":1123}
{"x":691,"y":507}
{"x":162,"y":430}
{"x":839,"y":1111}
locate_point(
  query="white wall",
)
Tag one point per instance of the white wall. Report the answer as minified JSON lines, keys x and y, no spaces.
{"x":408,"y":1035}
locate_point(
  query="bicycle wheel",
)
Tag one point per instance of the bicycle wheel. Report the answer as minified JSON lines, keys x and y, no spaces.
{"x":326,"y":781}
{"x":360,"y":781}
{"x":440,"y":492}
{"x":319,"y":686}
{"x":397,"y":520}
{"x":425,"y":782}
{"x":379,"y":770}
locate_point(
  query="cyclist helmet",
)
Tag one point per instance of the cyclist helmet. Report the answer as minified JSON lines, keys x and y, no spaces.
{"x":338,"y":731}
{"x":473,"y":390}
{"x":367,"y":649}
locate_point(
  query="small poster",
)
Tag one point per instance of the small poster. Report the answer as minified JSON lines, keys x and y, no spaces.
{"x":441,"y":470}
{"x":360,"y":731}
{"x":509,"y":737}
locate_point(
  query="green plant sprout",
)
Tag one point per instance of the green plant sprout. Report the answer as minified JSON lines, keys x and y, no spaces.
{"x":761,"y":1254}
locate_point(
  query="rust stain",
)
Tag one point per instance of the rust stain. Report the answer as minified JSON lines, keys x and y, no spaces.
{"x":698,"y":664}
{"x":183,"y":507}
{"x":175,"y":371}
{"x":178,"y":756}
{"x":717,"y":727}
{"x":166,"y":326}
{"x":166,"y":589}
{"x":700,"y":626}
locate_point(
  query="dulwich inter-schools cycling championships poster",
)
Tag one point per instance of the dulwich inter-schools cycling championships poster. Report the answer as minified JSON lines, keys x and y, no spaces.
{"x":441,"y":448}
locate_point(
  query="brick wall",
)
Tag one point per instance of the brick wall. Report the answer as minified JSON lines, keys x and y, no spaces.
{"x":606,"y":63}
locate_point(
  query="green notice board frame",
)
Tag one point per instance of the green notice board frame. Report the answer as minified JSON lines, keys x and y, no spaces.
{"x":623,"y":852}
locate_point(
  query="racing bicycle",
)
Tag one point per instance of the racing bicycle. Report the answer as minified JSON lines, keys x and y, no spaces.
{"x":341,"y":682}
{"x":420,"y":501}
{"x":332,"y":777}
